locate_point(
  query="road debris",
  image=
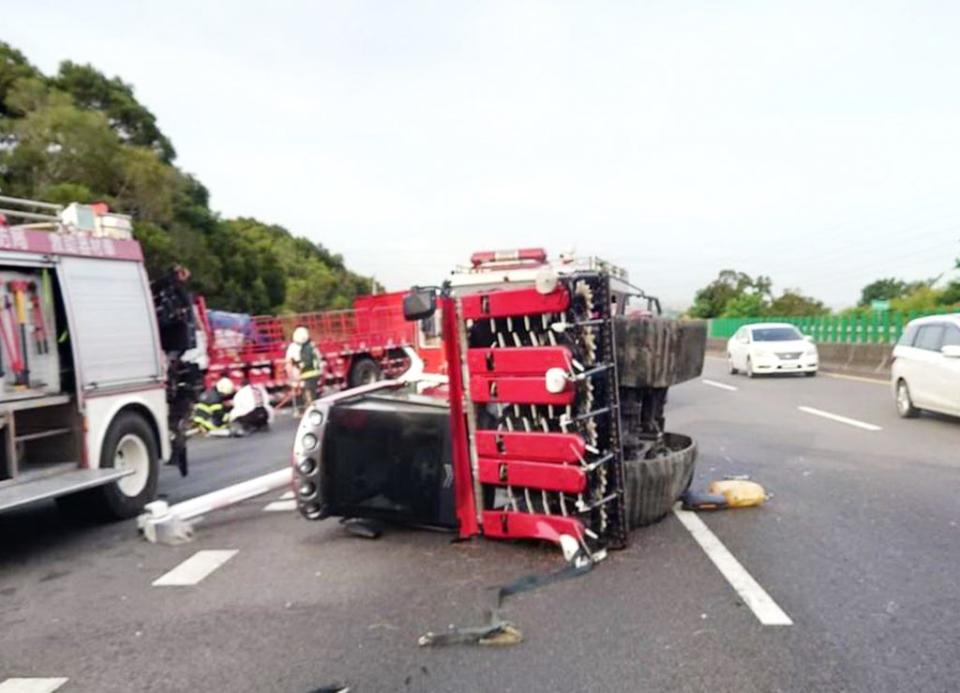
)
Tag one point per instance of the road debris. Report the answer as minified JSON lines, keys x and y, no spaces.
{"x":495,"y":632}
{"x":724,"y":494}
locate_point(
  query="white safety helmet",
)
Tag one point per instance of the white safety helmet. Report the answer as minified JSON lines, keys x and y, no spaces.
{"x":225,"y":386}
{"x":301,"y":335}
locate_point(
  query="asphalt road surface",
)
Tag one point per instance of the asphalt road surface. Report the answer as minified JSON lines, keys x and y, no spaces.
{"x":859,"y":546}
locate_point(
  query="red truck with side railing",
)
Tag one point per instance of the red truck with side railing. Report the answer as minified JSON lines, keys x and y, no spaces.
{"x":359,"y":345}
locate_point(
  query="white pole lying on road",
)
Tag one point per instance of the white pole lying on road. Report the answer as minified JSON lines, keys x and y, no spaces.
{"x":170,"y":524}
{"x":202,"y":505}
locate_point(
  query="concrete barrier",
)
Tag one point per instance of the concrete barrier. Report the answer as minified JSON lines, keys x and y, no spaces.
{"x":868,"y":360}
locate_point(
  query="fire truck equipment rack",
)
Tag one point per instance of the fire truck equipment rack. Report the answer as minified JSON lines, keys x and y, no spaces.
{"x":548,"y":457}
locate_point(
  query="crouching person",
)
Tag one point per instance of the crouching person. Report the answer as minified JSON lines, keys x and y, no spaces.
{"x":251,"y":410}
{"x":210,"y":411}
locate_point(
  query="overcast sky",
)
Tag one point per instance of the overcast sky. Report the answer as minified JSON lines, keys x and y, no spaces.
{"x":816,"y":142}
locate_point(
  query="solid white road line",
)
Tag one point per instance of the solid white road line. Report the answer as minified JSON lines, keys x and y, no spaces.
{"x":750,"y":591}
{"x":195,"y":568}
{"x":280,"y":506}
{"x":841,"y":419}
{"x":31,"y":685}
{"x":722,"y":386}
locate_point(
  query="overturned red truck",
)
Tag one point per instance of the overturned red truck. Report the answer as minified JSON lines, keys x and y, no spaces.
{"x":550,"y":424}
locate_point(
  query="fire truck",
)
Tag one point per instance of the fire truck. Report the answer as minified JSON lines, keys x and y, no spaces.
{"x":550,"y":423}
{"x":84,"y":394}
{"x":359,"y":345}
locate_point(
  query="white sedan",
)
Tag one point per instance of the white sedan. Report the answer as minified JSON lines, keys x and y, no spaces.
{"x":926,"y":366}
{"x":771,"y":347}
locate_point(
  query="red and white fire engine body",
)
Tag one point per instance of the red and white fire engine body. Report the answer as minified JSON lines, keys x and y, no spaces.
{"x":83,"y":411}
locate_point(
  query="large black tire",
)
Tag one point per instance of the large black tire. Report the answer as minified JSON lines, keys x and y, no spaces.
{"x":653,"y":485}
{"x":129,"y":440}
{"x":363,"y":372}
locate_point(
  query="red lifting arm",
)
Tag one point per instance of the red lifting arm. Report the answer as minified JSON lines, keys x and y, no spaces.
{"x":517,"y":390}
{"x":538,"y":475}
{"x":518,"y":360}
{"x":562,"y":448}
{"x":516,"y":525}
{"x":502,"y":304}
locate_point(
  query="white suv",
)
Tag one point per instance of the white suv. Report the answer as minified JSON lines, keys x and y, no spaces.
{"x":926,"y":366}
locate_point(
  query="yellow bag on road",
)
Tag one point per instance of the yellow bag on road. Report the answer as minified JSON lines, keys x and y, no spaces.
{"x":738,"y":493}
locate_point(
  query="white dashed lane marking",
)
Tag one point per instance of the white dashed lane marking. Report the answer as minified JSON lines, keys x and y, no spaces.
{"x":280,"y":506}
{"x":840,"y":419}
{"x":753,"y":595}
{"x":722,"y":386}
{"x":284,"y":503}
{"x":194,"y":569}
{"x":32,"y":685}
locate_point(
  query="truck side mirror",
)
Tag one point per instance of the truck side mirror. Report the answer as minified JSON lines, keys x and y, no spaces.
{"x":419,"y":304}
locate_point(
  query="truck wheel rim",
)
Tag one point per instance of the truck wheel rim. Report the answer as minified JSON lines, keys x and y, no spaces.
{"x":132,"y":454}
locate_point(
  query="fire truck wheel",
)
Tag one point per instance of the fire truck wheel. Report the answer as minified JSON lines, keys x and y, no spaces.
{"x":363,"y":372}
{"x":129,"y":443}
{"x":654,"y":483}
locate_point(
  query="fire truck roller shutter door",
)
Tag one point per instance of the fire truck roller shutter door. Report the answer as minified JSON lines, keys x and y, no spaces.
{"x":113,"y":326}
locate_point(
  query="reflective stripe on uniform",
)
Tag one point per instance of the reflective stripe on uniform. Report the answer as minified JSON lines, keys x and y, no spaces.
{"x":208,"y":408}
{"x":205,"y":423}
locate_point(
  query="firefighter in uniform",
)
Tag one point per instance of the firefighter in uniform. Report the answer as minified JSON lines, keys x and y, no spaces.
{"x":305,"y":364}
{"x":210,"y":413}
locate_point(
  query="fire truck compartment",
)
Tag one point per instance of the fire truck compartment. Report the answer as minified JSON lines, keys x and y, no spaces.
{"x":38,"y":435}
{"x":29,"y":357}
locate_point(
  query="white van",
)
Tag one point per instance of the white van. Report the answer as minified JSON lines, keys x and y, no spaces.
{"x":926,"y":366}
